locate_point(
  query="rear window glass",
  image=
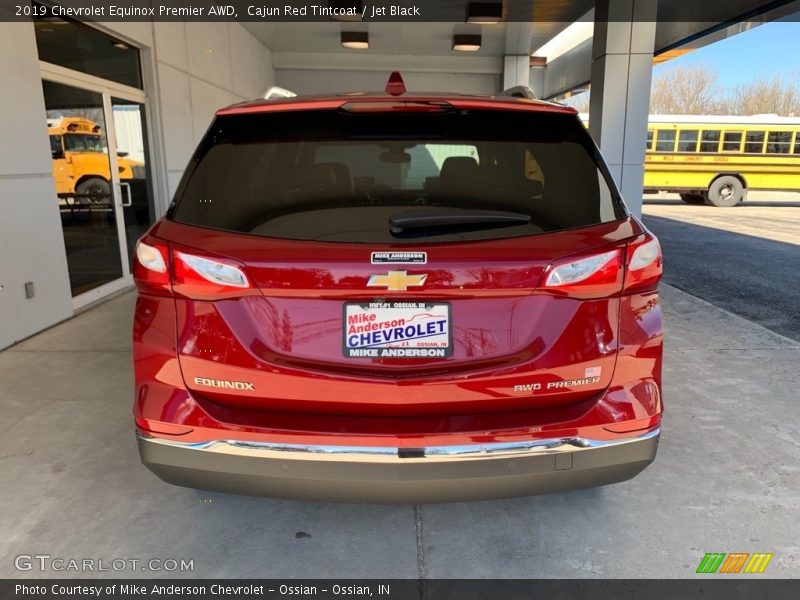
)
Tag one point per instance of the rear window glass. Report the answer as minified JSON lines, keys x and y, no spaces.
{"x":352,"y":177}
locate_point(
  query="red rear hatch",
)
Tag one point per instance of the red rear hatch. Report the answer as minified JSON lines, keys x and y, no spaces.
{"x":507,"y":296}
{"x":514,"y":343}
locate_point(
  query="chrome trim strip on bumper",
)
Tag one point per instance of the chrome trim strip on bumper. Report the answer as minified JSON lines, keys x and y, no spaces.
{"x":399,"y":455}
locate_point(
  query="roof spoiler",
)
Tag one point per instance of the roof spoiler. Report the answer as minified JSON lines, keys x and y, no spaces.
{"x":277,"y":92}
{"x":519,"y":91}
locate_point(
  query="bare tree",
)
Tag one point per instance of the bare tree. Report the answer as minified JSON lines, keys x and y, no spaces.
{"x":686,"y":91}
{"x":778,"y":95}
{"x":698,"y":90}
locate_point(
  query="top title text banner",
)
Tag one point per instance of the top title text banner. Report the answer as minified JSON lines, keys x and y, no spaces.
{"x":455,"y":11}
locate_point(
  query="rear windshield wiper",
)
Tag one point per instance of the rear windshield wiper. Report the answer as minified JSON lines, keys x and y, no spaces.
{"x":445,"y":220}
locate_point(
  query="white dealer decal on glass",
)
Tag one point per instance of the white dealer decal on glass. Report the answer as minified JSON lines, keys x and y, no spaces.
{"x":399,"y":258}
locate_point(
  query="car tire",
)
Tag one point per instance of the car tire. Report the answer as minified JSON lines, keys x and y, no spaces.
{"x":725,"y":191}
{"x":94,"y":189}
{"x":693,"y":198}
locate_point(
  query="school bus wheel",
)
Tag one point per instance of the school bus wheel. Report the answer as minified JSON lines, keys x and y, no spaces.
{"x":94,"y":189}
{"x":726,"y":190}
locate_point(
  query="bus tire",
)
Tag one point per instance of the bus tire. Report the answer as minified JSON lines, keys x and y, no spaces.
{"x":94,"y":189}
{"x":725,"y":191}
{"x":693,"y":198}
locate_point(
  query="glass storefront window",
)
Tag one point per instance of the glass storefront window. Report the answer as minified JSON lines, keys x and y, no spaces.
{"x":76,"y":126}
{"x":76,"y":46}
{"x":130,"y":127}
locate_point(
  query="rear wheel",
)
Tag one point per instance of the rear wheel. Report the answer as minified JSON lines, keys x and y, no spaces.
{"x":693,"y":198}
{"x":94,"y":189}
{"x":725,"y":191}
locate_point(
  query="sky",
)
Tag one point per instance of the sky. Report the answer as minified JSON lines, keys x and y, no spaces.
{"x":765,"y":51}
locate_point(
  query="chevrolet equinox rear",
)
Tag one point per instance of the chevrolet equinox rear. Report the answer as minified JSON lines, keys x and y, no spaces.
{"x":397,"y":298}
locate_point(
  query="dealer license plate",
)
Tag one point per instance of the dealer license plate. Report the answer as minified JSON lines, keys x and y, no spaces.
{"x":397,"y":330}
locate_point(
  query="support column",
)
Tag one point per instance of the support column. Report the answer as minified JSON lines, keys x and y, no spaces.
{"x":517,"y":57}
{"x":622,"y":66}
{"x":516,"y":70}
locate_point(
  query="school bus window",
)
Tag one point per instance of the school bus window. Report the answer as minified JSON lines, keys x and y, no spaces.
{"x":80,"y":142}
{"x":709,"y":141}
{"x":650,"y":135}
{"x":732,"y":141}
{"x":762,"y":151}
{"x":665,"y":140}
{"x":754,"y":142}
{"x":779,"y":142}
{"x":687,"y":141}
{"x":55,"y":144}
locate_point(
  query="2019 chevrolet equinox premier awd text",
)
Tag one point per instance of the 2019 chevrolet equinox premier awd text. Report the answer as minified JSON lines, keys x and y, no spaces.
{"x":397,"y":297}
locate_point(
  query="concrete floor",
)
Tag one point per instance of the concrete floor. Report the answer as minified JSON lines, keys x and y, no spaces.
{"x":765,"y":215}
{"x":744,"y":259}
{"x":726,"y":477}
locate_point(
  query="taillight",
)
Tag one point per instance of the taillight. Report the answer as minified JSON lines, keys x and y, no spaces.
{"x":593,"y":276}
{"x":151,"y":257}
{"x":645,"y":264}
{"x":636,"y":268}
{"x":151,"y":267}
{"x":203,"y":277}
{"x":159,"y":271}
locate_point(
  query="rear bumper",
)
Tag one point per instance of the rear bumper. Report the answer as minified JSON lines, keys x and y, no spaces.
{"x":392,"y":475}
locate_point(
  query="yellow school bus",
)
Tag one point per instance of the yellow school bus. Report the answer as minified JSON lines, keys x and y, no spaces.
{"x":80,"y":162}
{"x":718,"y":159}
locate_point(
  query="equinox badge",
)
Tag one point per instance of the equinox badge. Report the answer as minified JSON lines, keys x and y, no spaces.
{"x":397,"y":281}
{"x":225,"y":384}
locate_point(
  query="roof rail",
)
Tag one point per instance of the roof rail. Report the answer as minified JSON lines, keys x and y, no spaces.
{"x":277,"y":92}
{"x":519,"y":91}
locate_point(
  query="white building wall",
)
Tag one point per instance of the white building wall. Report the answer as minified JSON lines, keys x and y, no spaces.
{"x":310,"y":73}
{"x":319,"y":81}
{"x":190,"y":70}
{"x":31,"y":243}
{"x":199,"y":68}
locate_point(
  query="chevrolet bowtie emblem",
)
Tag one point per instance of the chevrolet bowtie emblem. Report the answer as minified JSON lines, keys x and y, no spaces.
{"x":396,"y":281}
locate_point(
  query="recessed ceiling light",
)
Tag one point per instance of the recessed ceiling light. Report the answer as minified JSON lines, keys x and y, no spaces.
{"x":484,"y":12}
{"x":356,"y":40}
{"x":120,"y":45}
{"x":466,"y":43}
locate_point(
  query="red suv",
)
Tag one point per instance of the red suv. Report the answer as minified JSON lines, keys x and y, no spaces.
{"x":397,"y":297}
